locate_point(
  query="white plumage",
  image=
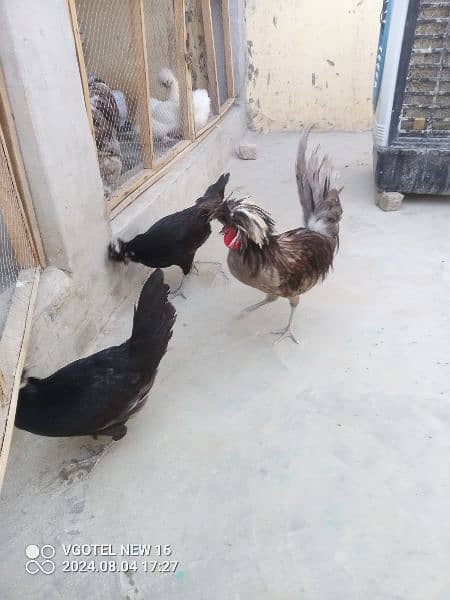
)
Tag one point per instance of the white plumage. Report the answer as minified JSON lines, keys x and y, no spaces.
{"x":253,"y":220}
{"x":166,"y":113}
{"x":202,"y":108}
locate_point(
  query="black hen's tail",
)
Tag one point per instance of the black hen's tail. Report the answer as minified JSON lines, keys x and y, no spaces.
{"x":319,"y":196}
{"x":153,"y":320}
{"x":116,"y":250}
{"x":216,"y":190}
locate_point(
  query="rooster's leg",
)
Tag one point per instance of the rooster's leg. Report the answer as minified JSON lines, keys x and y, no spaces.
{"x":186,"y":268}
{"x":288,"y":332}
{"x":267,"y":300}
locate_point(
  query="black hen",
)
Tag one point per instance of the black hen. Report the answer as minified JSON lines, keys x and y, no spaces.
{"x":98,"y":394}
{"x":174,"y":239}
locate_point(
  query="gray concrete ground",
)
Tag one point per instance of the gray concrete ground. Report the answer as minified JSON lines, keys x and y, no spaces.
{"x":318,"y":471}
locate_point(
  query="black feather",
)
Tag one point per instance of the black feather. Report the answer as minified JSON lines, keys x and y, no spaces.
{"x":97,"y":394}
{"x":174,"y":239}
{"x":117,"y":253}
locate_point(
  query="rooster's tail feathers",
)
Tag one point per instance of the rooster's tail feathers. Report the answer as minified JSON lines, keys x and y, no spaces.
{"x":153,"y":321}
{"x":116,"y":250}
{"x":316,"y":187}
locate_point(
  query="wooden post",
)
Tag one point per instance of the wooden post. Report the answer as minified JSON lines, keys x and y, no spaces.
{"x":81,"y":64}
{"x":228,"y":47}
{"x":184,"y":74}
{"x":143,"y":91}
{"x":211,"y":56}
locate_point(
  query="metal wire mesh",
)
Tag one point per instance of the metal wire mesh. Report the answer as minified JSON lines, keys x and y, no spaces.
{"x":168,"y":124}
{"x":196,"y":47}
{"x":219,"y":46}
{"x":426,"y":101}
{"x":110,"y":34}
{"x":15,"y":248}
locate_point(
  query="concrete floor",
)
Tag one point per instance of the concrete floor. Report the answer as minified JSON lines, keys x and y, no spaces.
{"x":319,"y":471}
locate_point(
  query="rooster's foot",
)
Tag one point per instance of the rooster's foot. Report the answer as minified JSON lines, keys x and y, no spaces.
{"x":177,"y":293}
{"x":285,"y":333}
{"x":78,"y":470}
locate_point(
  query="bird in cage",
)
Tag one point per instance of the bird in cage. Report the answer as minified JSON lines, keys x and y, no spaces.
{"x":96,"y":395}
{"x":174,"y":239}
{"x":106,"y":118}
{"x":166,"y":113}
{"x":290,"y":263}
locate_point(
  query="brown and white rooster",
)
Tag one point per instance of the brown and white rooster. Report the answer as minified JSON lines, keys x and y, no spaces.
{"x":290,"y":263}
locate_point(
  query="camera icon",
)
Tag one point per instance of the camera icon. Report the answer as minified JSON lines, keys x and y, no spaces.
{"x":40,"y":559}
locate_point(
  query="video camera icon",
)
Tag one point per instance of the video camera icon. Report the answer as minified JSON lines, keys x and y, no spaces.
{"x":40,"y":559}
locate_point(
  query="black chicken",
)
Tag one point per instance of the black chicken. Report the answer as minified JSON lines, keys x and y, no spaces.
{"x":98,"y":394}
{"x":174,"y":239}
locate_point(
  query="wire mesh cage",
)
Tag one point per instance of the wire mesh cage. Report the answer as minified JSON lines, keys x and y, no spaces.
{"x":426,"y":103}
{"x":16,"y":252}
{"x":111,"y":37}
{"x":167,"y":77}
{"x":200,"y":49}
{"x":152,"y":82}
{"x":17,"y":266}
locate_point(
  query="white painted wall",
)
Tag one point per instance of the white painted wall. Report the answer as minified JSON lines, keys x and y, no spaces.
{"x":311,"y":61}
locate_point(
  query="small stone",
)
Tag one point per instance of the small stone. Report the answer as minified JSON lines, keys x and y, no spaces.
{"x":247,"y":151}
{"x":389,"y":200}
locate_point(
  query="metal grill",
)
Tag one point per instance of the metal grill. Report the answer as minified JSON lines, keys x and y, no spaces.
{"x":165,"y":73}
{"x":426,"y":102}
{"x":155,"y":75}
{"x":110,"y":34}
{"x":17,"y":262}
{"x":15,"y":248}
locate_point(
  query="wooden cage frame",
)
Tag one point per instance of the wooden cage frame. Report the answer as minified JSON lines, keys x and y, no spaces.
{"x":153,"y":170}
{"x":16,"y":332}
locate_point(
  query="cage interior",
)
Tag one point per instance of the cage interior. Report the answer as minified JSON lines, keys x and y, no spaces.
{"x":15,"y":249}
{"x":16,"y":255}
{"x":202,"y":91}
{"x":110,"y":34}
{"x":165,"y":72}
{"x":219,"y":45}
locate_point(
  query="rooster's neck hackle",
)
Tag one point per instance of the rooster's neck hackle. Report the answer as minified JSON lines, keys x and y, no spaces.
{"x":255,"y":225}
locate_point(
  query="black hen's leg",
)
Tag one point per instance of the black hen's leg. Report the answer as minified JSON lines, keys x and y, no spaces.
{"x":186,"y":268}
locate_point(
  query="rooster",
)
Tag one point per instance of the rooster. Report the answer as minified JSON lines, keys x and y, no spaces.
{"x":174,"y":239}
{"x":291,"y":263}
{"x":96,"y":395}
